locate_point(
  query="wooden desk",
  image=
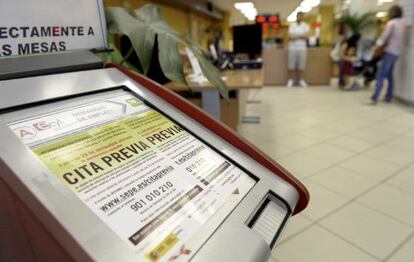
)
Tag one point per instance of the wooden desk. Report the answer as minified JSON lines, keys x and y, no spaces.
{"x":208,"y":98}
{"x":235,"y":80}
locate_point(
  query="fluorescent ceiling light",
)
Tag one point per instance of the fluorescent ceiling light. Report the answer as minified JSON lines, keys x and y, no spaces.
{"x":305,"y":9}
{"x":305,"y":4}
{"x":314,"y":3}
{"x":381,"y":2}
{"x":251,"y":18}
{"x":243,"y":5}
{"x":381,"y":14}
{"x":247,"y":9}
{"x":291,"y":18}
{"x":310,"y":3}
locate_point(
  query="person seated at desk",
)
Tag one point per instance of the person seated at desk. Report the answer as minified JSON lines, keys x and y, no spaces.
{"x":298,"y":36}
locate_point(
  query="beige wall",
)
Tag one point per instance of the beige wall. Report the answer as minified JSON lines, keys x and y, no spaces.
{"x":405,"y":70}
{"x":188,"y":23}
{"x":327,"y":13}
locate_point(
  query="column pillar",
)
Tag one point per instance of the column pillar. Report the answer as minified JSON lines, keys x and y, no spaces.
{"x":327,"y":13}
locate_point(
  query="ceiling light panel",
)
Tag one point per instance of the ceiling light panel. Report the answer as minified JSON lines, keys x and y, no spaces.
{"x":247,"y":9}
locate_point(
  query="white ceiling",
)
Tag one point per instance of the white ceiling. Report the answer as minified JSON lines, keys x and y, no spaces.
{"x":283,"y":7}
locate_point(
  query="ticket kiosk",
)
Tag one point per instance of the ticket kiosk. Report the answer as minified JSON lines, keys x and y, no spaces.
{"x":106,"y":165}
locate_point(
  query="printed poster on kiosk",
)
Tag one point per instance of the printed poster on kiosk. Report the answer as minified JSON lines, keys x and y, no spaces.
{"x":147,"y":178}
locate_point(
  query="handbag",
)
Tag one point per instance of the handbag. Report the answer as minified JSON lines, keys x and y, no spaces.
{"x":380,"y":50}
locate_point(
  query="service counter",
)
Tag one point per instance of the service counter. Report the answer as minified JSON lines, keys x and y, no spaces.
{"x":318,"y":69}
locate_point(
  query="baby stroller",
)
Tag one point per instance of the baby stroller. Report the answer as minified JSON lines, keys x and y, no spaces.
{"x":365,"y":74}
{"x":364,"y":69}
{"x":370,"y":71}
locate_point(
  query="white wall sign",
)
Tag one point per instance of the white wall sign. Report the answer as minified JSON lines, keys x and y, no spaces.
{"x":47,"y":26}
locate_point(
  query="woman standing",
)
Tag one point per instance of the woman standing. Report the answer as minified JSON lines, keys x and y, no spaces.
{"x":391,"y":41}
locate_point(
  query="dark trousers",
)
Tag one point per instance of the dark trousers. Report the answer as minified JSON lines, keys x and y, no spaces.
{"x":341,"y":79}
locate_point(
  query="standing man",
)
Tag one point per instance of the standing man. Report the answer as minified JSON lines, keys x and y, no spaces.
{"x":298,"y":36}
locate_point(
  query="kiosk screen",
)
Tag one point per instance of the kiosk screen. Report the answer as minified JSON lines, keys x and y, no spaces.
{"x":152,"y":182}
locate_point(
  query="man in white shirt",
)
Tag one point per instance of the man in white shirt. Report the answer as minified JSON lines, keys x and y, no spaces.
{"x":298,"y":36}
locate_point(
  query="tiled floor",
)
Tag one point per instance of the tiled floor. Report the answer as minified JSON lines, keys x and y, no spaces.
{"x":357,"y":162}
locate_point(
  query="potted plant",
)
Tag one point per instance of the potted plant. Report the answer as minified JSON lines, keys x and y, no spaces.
{"x":358,"y":23}
{"x":155,"y":44}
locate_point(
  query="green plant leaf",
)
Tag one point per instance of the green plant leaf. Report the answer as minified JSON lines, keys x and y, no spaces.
{"x":170,"y":59}
{"x":168,"y":55}
{"x":143,"y":26}
{"x":367,"y":20}
{"x":149,"y":14}
{"x":140,"y":35}
{"x":156,"y":23}
{"x":115,"y":57}
{"x":358,"y":23}
{"x":211,"y":73}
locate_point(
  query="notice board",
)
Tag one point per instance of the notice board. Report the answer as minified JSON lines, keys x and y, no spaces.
{"x":47,"y":26}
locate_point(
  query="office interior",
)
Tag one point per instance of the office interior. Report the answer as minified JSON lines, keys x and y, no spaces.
{"x":356,"y":160}
{"x":355,"y":157}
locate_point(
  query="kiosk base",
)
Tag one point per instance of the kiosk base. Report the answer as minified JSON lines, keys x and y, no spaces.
{"x":168,"y":180}
{"x":22,"y":236}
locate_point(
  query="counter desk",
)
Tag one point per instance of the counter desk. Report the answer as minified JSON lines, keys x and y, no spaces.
{"x":318,"y":68}
{"x":206,"y":96}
